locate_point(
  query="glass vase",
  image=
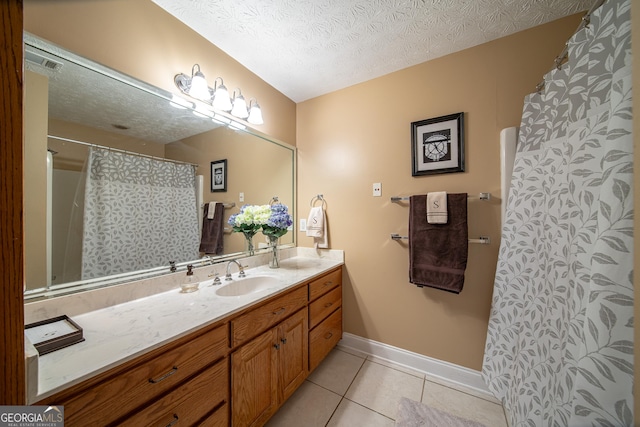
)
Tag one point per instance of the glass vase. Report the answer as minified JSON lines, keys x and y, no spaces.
{"x":274,"y":256}
{"x":249,"y":239}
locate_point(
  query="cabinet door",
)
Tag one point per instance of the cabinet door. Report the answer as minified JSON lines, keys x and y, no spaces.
{"x":293,"y":354}
{"x":254,"y":379}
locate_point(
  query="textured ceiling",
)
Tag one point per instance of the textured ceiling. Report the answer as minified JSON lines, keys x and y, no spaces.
{"x":306,"y":48}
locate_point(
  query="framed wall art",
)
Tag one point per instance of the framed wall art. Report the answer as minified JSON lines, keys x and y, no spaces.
{"x":219,"y":175}
{"x":437,"y":145}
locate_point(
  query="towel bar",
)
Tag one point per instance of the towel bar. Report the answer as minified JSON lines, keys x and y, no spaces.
{"x":226,"y":205}
{"x":482,"y":240}
{"x":481,"y":196}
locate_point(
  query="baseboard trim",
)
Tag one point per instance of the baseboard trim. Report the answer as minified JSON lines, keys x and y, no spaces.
{"x":446,"y":372}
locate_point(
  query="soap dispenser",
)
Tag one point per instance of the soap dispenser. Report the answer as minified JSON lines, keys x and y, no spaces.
{"x":189,"y":285}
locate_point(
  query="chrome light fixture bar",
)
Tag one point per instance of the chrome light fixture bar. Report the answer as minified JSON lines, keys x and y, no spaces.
{"x":196,"y":87}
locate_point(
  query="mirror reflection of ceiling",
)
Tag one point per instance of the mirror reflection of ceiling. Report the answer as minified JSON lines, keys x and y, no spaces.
{"x":85,"y":97}
{"x":294,"y":45}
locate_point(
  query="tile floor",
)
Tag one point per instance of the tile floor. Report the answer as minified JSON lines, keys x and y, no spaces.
{"x":350,"y":389}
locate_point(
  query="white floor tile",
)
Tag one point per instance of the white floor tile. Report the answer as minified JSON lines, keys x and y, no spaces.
{"x":352,"y":351}
{"x":380,"y":388}
{"x":463,"y":405}
{"x":350,"y":414}
{"x":311,"y":406}
{"x":337,"y":371}
{"x":401,"y":368}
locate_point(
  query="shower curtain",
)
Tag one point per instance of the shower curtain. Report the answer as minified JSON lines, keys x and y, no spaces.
{"x":559,"y":349}
{"x":139,"y":213}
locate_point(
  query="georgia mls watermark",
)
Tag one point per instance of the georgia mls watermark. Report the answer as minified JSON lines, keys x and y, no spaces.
{"x":31,"y":416}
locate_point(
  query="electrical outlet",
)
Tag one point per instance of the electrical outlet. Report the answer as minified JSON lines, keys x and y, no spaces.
{"x":241,"y":197}
{"x":377,"y":189}
{"x":303,"y":224}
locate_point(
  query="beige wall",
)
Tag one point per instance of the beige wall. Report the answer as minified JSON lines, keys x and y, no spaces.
{"x":139,"y":38}
{"x":35,"y":177}
{"x":349,"y":139}
{"x":256,"y":168}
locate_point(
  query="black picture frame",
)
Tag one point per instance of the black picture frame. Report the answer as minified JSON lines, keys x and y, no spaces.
{"x":437,"y":145}
{"x":219,"y":176}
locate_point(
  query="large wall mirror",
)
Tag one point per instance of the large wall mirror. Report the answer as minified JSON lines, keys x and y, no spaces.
{"x":84,"y":120}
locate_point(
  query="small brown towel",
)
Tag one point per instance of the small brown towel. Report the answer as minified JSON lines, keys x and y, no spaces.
{"x":212,"y":231}
{"x":438,"y":252}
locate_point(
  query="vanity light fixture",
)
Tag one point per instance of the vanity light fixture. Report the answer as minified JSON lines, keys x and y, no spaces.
{"x":239,"y":105}
{"x":255,"y":113}
{"x":221,"y":100}
{"x":194,"y":86}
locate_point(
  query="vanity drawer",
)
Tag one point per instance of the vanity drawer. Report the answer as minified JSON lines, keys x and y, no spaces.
{"x":324,"y":284}
{"x":262,"y":318}
{"x":324,"y":337}
{"x":133,"y":387}
{"x":188,"y":403}
{"x":325,"y":305}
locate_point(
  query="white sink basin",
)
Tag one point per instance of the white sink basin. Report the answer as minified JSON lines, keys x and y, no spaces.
{"x":247,"y":286}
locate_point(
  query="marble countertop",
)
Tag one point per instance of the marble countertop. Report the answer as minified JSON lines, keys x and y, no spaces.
{"x":119,"y":333}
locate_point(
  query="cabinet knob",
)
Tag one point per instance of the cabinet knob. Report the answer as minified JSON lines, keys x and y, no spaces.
{"x":277,"y":346}
{"x":328,"y":335}
{"x":283,"y":340}
{"x":329,"y":304}
{"x":279,"y":311}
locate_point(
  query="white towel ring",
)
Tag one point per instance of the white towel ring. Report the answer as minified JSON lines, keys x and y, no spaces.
{"x":318,"y":198}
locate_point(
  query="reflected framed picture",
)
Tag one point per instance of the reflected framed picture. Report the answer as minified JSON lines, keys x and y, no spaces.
{"x":219,"y":175}
{"x":437,"y":145}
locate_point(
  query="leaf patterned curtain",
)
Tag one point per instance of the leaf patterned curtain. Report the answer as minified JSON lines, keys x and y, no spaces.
{"x":559,"y":348}
{"x":139,"y":213}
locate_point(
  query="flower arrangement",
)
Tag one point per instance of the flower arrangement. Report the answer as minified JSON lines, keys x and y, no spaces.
{"x":250,"y":218}
{"x":274,"y":220}
{"x":279,"y":221}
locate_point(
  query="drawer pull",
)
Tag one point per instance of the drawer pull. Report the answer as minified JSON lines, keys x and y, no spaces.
{"x":174,"y":422}
{"x":279,"y":311}
{"x":283,"y":340}
{"x":329,"y":304}
{"x":330,"y":282}
{"x":328,"y":335}
{"x":277,"y":346}
{"x":165,"y":376}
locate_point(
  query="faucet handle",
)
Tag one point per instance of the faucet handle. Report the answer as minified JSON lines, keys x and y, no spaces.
{"x":217,"y":280}
{"x":241,"y":273}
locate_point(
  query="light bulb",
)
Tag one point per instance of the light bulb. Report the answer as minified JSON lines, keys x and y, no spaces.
{"x":255,"y":115}
{"x":240,"y":107}
{"x":199,"y":88}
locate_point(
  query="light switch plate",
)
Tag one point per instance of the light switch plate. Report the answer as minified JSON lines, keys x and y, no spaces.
{"x":241,"y":197}
{"x":303,"y":224}
{"x":377,"y":189}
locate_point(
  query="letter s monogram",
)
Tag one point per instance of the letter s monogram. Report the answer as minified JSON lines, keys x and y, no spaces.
{"x":436,"y":204}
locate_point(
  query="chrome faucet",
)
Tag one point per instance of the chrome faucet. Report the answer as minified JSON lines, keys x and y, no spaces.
{"x":240,"y":269}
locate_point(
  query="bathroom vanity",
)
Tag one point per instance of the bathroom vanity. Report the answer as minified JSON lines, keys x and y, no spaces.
{"x":199,"y":358}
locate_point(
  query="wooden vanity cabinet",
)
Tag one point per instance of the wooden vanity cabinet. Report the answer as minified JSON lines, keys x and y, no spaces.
{"x":234,"y":373}
{"x":191,"y":372}
{"x":268,"y":369}
{"x":325,"y":316}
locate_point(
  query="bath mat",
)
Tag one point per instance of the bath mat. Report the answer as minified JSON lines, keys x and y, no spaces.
{"x":416,"y":414}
